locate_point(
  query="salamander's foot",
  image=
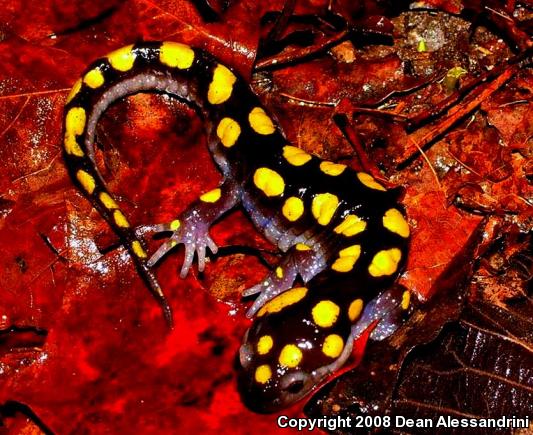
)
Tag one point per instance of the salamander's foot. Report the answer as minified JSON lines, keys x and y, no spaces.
{"x":389,"y":310}
{"x":193,"y":233}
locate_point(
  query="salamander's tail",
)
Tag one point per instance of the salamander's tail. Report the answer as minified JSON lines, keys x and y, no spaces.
{"x":167,"y":67}
{"x":87,"y":178}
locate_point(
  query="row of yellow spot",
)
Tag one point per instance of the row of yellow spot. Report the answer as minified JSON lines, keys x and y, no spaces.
{"x":325,"y":314}
{"x":172,"y":54}
{"x":392,"y":220}
{"x":229,"y":130}
{"x":291,"y":356}
{"x":88,"y":183}
{"x":298,"y":157}
{"x":272,"y":183}
{"x":384,"y":262}
{"x":323,"y":206}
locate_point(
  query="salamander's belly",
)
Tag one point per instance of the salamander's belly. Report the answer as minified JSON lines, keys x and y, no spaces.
{"x":273,"y":226}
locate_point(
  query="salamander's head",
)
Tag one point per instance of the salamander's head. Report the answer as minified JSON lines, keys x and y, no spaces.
{"x":295,"y":342}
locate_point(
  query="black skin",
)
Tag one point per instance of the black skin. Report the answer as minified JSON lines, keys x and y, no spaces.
{"x":238,"y":164}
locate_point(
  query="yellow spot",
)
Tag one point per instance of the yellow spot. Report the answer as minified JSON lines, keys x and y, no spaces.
{"x":290,"y":356}
{"x":74,"y":126}
{"x":138,"y":249}
{"x":263,"y":374}
{"x":355,"y":308}
{"x":175,"y":224}
{"x":350,"y":226}
{"x":173,"y":243}
{"x":296,"y":156}
{"x":293,"y":208}
{"x":347,"y":258}
{"x":333,"y":345}
{"x":385,"y":262}
{"x":260,"y":121}
{"x":86,"y":180}
{"x":221,"y":87}
{"x":331,"y":168}
{"x":323,"y":207}
{"x":406,"y":299}
{"x":228,"y":132}
{"x":174,"y":54}
{"x":394,"y":221}
{"x":264,"y":344}
{"x":108,"y":202}
{"x":122,"y":59}
{"x":279,"y":272}
{"x":283,"y":300}
{"x":269,"y":181}
{"x":74,"y":91}
{"x":369,"y":181}
{"x":120,"y":219}
{"x":325,"y":313}
{"x":302,"y":247}
{"x":94,"y":78}
{"x":211,"y":196}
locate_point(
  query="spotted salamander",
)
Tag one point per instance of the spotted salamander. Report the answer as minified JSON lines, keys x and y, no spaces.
{"x":343,"y":234}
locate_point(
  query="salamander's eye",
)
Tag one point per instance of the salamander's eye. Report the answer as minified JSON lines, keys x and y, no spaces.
{"x":294,"y":383}
{"x":294,"y":387}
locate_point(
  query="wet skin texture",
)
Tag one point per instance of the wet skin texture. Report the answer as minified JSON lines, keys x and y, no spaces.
{"x":345,"y":237}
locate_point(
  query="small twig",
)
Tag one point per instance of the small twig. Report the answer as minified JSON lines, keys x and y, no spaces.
{"x":16,"y":117}
{"x":426,"y":135}
{"x":309,"y":103}
{"x":381,"y":113}
{"x":298,"y":55}
{"x":282,"y":21}
{"x":32,"y":94}
{"x":464,"y":164}
{"x":351,"y":135}
{"x":52,"y":248}
{"x":431,"y":167}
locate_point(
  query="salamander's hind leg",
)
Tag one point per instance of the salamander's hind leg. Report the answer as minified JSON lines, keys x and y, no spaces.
{"x":299,"y":260}
{"x":389,"y":310}
{"x":192,"y":227}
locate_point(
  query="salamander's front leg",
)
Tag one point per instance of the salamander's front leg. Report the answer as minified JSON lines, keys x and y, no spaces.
{"x":299,"y":260}
{"x":192,"y":226}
